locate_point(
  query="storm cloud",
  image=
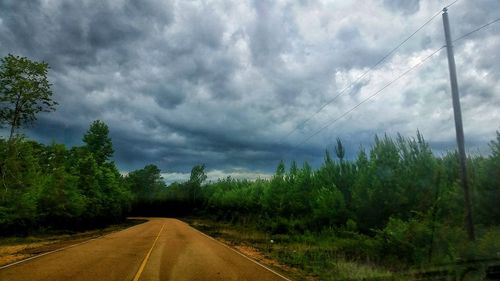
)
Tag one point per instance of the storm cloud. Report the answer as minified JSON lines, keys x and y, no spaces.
{"x":226,"y":83}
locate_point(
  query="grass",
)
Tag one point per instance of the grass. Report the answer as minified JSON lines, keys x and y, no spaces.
{"x":302,"y":257}
{"x":344,"y":255}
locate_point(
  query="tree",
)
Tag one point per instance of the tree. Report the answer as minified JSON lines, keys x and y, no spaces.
{"x":61,"y":203}
{"x":146,"y":183}
{"x":340,"y":150}
{"x":98,"y":141}
{"x":198,"y":176}
{"x":24,"y":91}
{"x":20,"y":181}
{"x":490,"y":185}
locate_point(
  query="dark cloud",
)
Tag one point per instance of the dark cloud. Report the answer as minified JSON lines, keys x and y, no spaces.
{"x":74,"y":34}
{"x":405,"y":7}
{"x":223,"y":83}
{"x":166,"y":96}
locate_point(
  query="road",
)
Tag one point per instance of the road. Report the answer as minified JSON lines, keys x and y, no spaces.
{"x":160,"y":249}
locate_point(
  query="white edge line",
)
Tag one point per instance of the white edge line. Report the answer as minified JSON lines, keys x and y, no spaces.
{"x":246,"y":257}
{"x":61,"y":249}
{"x":47,"y":253}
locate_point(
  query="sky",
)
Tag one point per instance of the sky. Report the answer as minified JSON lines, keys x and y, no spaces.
{"x":237,"y":85}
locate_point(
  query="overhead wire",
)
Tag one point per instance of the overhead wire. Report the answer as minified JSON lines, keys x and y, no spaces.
{"x":369,"y":97}
{"x":396,"y":79}
{"x":364,"y":73}
{"x":475,"y":30}
{"x":451,"y":4}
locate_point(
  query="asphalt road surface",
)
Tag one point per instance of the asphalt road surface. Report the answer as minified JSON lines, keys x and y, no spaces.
{"x":160,"y":249}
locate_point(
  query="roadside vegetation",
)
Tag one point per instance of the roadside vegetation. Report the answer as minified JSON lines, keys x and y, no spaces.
{"x":51,"y":186}
{"x":395,"y":207}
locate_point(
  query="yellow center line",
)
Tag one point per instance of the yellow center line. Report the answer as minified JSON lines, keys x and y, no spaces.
{"x":139,"y":272}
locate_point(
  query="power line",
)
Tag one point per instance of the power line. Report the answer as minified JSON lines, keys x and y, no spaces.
{"x":475,"y":30}
{"x":453,"y":3}
{"x":396,"y":79}
{"x":364,"y":74}
{"x":370,"y":97}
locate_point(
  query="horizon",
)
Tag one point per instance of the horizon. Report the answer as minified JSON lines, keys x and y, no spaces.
{"x":238,"y":86}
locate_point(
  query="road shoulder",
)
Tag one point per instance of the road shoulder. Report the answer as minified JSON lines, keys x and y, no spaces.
{"x":16,"y":248}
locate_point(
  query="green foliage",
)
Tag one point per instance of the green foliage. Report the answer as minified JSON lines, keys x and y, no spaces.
{"x":395,"y":204}
{"x":489,"y":244}
{"x":340,"y":150}
{"x":98,"y":142}
{"x":328,"y":207}
{"x":404,"y":242}
{"x":21,"y":179}
{"x":400,"y":177}
{"x":146,"y":183}
{"x":116,"y":196}
{"x":487,"y":185}
{"x":24,"y":91}
{"x":60,"y":200}
{"x":194,"y":184}
{"x":198,"y":175}
{"x":50,"y":186}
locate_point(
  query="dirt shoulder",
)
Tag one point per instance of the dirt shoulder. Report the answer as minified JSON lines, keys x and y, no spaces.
{"x":14,"y":248}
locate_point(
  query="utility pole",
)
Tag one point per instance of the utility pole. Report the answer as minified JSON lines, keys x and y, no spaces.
{"x":458,"y":127}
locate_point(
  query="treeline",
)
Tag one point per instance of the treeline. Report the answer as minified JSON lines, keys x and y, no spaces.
{"x":396,"y":199}
{"x":399,"y":178}
{"x":51,"y":186}
{"x":153,"y":197}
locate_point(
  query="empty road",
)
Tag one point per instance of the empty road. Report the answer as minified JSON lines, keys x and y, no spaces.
{"x":160,"y":249}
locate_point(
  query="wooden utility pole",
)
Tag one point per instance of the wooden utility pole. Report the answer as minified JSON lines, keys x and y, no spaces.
{"x":458,"y":127}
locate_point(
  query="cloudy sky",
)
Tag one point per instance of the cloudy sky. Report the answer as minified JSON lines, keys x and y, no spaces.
{"x":226,"y":83}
